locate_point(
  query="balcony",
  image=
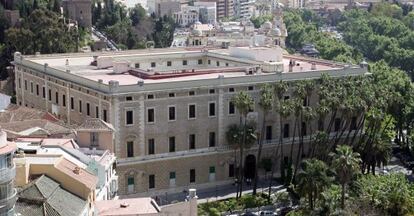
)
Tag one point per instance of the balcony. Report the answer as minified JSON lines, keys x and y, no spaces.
{"x":8,"y":203}
{"x":7,"y":174}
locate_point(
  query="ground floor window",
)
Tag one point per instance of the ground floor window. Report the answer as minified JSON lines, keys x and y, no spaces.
{"x":131,"y":183}
{"x":151,"y":181}
{"x":192,"y":175}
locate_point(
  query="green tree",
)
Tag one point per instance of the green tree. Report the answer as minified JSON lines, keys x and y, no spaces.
{"x":244,"y":103}
{"x":393,"y":194}
{"x":345,"y":162}
{"x":312,"y":180}
{"x":265,"y":103}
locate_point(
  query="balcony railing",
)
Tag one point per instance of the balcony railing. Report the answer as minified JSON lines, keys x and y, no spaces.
{"x":7,"y":174}
{"x":223,"y":148}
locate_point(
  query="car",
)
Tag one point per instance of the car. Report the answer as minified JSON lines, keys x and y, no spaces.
{"x":267,"y":213}
{"x":249,"y":214}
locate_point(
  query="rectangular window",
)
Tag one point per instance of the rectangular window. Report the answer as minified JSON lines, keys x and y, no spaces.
{"x":96,"y":112}
{"x":171,"y":144}
{"x":191,"y":93}
{"x":129,"y":117}
{"x":57,"y":97}
{"x":232,"y":108}
{"x":209,"y":61}
{"x":192,"y":111}
{"x":169,"y":63}
{"x":286,"y":131}
{"x":231,"y":89}
{"x":192,"y":175}
{"x":212,"y":139}
{"x":50,"y":95}
{"x":43,"y":92}
{"x":217,"y":63}
{"x":211,"y":91}
{"x":94,"y":139}
{"x":151,"y":181}
{"x":212,"y":169}
{"x":64,"y":100}
{"x":37,"y":89}
{"x":136,"y":65}
{"x":337,"y":125}
{"x":268,"y":132}
{"x":128,"y":98}
{"x":185,"y":62}
{"x":88,"y":109}
{"x":20,"y":83}
{"x":306,"y":101}
{"x":171,"y":95}
{"x":172,"y":179}
{"x":353,"y":125}
{"x":151,"y":146}
{"x":171,"y":113}
{"x":231,"y":170}
{"x":130,"y":149}
{"x":31,"y":87}
{"x":286,"y":97}
{"x":250,"y":88}
{"x":131,"y":183}
{"x":191,"y":141}
{"x":105,"y":117}
{"x":153,"y":64}
{"x":72,"y":103}
{"x":25,"y":85}
{"x":150,"y":96}
{"x":151,"y":115}
{"x":80,"y":106}
{"x":212,"y":109}
{"x":200,"y":61}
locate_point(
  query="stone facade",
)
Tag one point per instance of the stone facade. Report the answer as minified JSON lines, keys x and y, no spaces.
{"x":79,"y":10}
{"x":163,"y":130}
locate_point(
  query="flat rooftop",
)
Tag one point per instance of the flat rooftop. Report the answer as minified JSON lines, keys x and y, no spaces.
{"x":119,"y":66}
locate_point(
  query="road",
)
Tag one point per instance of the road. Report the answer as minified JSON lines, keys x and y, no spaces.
{"x":217,"y":193}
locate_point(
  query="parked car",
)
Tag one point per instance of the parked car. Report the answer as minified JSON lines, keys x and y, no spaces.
{"x":250,"y":214}
{"x":267,"y":213}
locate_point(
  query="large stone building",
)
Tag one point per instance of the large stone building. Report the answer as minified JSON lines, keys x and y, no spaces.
{"x":79,"y":10}
{"x":170,"y":107}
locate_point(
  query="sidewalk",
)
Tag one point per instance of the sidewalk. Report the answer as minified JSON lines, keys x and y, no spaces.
{"x":219,"y":192}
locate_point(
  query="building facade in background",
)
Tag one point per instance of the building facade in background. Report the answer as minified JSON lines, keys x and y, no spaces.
{"x":79,"y":10}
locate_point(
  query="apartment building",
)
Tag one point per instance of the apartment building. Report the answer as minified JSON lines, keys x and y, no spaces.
{"x":100,"y":163}
{"x":225,"y":8}
{"x":7,"y":174}
{"x":170,"y":107}
{"x":70,"y":177}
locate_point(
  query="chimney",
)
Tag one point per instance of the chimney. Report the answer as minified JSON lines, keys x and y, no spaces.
{"x":313,"y":67}
{"x":76,"y":170}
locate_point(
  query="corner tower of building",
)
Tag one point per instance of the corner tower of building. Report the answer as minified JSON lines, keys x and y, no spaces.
{"x":7,"y":174}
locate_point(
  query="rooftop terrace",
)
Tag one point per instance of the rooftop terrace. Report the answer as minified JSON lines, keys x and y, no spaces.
{"x":158,"y":66}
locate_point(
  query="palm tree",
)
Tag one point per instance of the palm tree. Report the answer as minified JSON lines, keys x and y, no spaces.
{"x":346,"y":163}
{"x":312,"y":180}
{"x":243,"y":103}
{"x":265,"y":103}
{"x":234,"y":137}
